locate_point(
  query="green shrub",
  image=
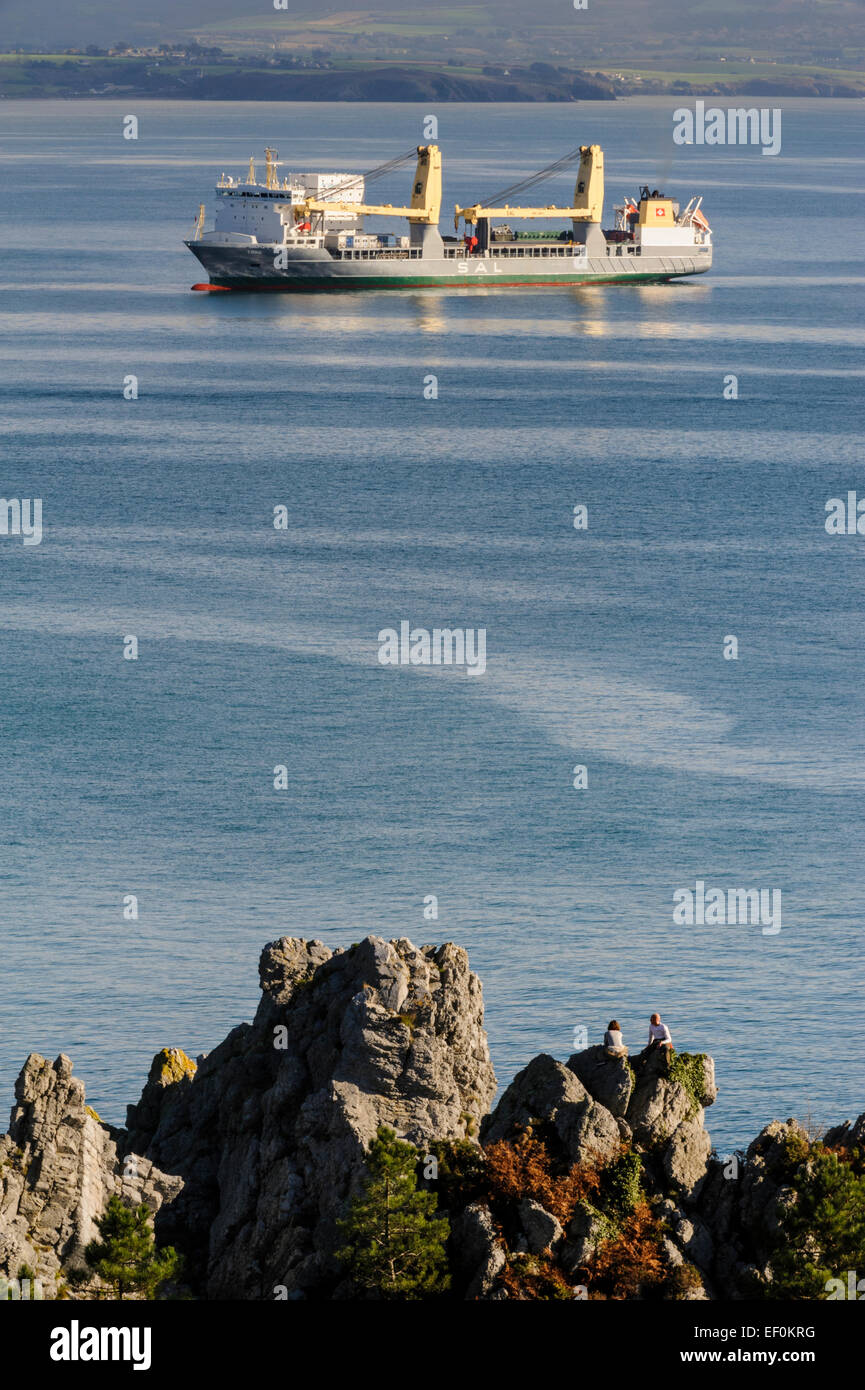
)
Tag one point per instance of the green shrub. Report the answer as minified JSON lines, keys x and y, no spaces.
{"x":461,"y":1172}
{"x":687,"y":1069}
{"x":620,"y":1184}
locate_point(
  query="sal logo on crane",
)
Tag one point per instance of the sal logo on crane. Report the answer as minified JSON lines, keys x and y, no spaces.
{"x":660,"y":212}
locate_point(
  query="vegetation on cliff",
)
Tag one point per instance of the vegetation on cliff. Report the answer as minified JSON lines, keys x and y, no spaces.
{"x":125,"y":1257}
{"x":821,"y":1227}
{"x":394,"y":1243}
{"x":619,"y":1257}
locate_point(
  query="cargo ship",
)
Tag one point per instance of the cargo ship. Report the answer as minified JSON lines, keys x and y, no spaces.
{"x":309,"y":232}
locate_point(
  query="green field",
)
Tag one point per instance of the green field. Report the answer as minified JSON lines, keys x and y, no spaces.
{"x":60,"y":74}
{"x":353,"y":22}
{"x":713,"y":71}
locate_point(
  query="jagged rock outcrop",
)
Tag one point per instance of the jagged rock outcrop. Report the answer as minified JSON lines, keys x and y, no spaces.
{"x":666,"y":1115}
{"x":608,"y":1080}
{"x":592,"y":1112}
{"x":656,"y":1108}
{"x":170,"y":1068}
{"x":546,"y":1090}
{"x":847,"y":1136}
{"x":742,"y":1203}
{"x":661,"y":1102}
{"x":746,"y":1196}
{"x":59,"y":1165}
{"x":265,"y":1137}
{"x":270,"y":1131}
{"x":247,"y":1156}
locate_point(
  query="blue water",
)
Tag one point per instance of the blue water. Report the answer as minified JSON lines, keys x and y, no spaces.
{"x":257,"y":647}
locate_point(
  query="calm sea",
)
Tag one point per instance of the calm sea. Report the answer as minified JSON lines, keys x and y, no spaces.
{"x":257,"y":647}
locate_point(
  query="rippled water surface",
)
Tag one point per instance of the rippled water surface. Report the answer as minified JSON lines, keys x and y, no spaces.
{"x":258,"y":647}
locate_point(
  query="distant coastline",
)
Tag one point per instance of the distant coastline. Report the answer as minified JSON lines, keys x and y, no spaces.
{"x":228,"y":78}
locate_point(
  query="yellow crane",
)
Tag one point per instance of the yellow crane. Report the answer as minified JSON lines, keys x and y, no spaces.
{"x":426,"y":194}
{"x":588,"y":201}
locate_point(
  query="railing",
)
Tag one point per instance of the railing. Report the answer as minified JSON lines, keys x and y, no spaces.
{"x":380,"y":253}
{"x":534,"y":251}
{"x":523,"y":251}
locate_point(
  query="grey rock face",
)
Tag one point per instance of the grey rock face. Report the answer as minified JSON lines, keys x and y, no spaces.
{"x":689,"y":1234}
{"x":59,"y":1165}
{"x":761,"y":1186}
{"x":691,"y":1245}
{"x":587,"y":1229}
{"x":270,"y":1132}
{"x":482,"y":1286}
{"x":607,"y":1079}
{"x":541,"y":1229}
{"x":846,"y":1136}
{"x":546,"y":1090}
{"x":659,"y":1103}
{"x":707,"y":1086}
{"x":170,"y":1068}
{"x":686,"y":1157}
{"x":694,"y":1239}
{"x":480,"y":1254}
{"x":741,"y":1204}
{"x":672,"y":1253}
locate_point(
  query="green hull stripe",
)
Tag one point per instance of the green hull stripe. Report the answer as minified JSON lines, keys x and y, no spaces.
{"x":407,"y":282}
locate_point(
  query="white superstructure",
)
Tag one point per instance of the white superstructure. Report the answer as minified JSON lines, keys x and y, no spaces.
{"x":272,"y":213}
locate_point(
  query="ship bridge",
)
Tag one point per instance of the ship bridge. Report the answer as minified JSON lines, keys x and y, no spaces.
{"x":272,"y":212}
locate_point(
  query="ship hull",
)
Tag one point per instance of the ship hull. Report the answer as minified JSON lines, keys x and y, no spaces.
{"x":253,"y":268}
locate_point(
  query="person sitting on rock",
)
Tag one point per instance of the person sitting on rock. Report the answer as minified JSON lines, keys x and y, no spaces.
{"x":613,"y":1043}
{"x":659,"y":1037}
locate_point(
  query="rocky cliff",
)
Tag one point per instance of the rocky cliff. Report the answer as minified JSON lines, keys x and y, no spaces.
{"x":246,"y":1158}
{"x":59,"y":1165}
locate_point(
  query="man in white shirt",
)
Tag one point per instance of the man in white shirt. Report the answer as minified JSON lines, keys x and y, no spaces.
{"x":659,"y":1033}
{"x":659,"y":1040}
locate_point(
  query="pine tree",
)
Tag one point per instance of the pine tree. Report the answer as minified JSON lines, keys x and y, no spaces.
{"x":823,"y":1230}
{"x":126,"y":1256}
{"x":394,"y":1242}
